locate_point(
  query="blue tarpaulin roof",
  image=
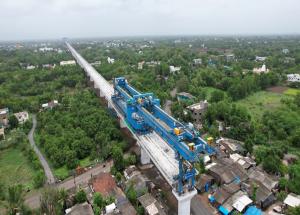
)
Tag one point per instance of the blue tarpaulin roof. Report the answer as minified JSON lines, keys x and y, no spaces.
{"x":223,"y":210}
{"x":252,"y":210}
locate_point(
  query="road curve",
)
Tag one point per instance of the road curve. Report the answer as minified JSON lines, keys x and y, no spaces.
{"x":47,"y":170}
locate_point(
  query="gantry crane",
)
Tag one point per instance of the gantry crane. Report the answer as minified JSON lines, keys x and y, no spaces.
{"x":143,"y":114}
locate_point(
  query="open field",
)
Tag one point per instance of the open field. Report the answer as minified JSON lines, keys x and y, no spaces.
{"x":292,"y":91}
{"x":262,"y":101}
{"x":15,"y":169}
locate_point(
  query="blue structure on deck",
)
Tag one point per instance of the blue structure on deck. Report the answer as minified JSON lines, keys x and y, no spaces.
{"x":143,"y":113}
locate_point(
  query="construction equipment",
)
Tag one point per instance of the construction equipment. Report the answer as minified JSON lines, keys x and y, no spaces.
{"x":143,"y":114}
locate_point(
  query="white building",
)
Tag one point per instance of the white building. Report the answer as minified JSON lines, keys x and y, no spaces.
{"x":285,"y":51}
{"x":260,"y":70}
{"x":110,"y":60}
{"x":30,"y":67}
{"x":96,"y":63}
{"x":22,"y":116}
{"x":197,"y":61}
{"x":140,"y":65}
{"x":45,"y":49}
{"x":68,"y":62}
{"x":257,"y":58}
{"x":292,"y":200}
{"x":174,"y":69}
{"x":293,"y":77}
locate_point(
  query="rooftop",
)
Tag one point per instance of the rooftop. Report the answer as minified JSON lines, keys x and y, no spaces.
{"x":292,"y":200}
{"x":80,"y":209}
{"x":151,"y":205}
{"x":104,"y":184}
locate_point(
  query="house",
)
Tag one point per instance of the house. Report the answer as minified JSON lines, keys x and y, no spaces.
{"x":263,"y":178}
{"x":260,"y":70}
{"x":227,"y":206}
{"x":2,"y":134}
{"x":289,"y":60}
{"x":67,"y":63}
{"x":96,"y":63}
{"x":105,"y":184}
{"x":140,"y":65}
{"x":231,"y":146}
{"x":257,"y":58}
{"x":30,"y":67}
{"x":183,"y":96}
{"x":226,"y":171}
{"x":230,"y":57}
{"x":292,"y":200}
{"x":49,"y":66}
{"x":22,"y":116}
{"x":293,"y":77}
{"x":285,"y":51}
{"x":140,"y":182}
{"x":45,"y":49}
{"x":153,"y":63}
{"x":197,"y":61}
{"x":80,"y":209}
{"x":204,"y":182}
{"x":130,"y":172}
{"x":151,"y":205}
{"x":198,"y":110}
{"x":245,"y":162}
{"x":4,"y":117}
{"x":110,"y":60}
{"x":174,"y":69}
{"x":241,"y":203}
{"x":50,"y":105}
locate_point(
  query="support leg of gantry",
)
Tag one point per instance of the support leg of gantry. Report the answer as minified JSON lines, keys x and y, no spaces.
{"x":145,"y":159}
{"x":184,"y":202}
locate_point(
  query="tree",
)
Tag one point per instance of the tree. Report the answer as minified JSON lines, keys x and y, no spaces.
{"x":15,"y":198}
{"x":216,"y":96}
{"x":131,"y":194}
{"x":272,"y":163}
{"x":13,"y":121}
{"x":98,"y":200}
{"x":117,"y":155}
{"x":293,"y":211}
{"x":50,"y":203}
{"x":297,"y":99}
{"x":80,"y":196}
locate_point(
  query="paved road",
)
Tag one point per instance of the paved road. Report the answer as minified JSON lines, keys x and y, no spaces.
{"x":48,"y":172}
{"x":33,"y":199}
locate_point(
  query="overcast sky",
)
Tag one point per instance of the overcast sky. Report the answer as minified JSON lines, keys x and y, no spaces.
{"x":46,"y":19}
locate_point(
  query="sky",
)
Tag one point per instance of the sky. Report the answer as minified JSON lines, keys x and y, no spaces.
{"x":54,"y":19}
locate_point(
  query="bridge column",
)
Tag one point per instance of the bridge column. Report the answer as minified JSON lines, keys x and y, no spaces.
{"x":145,"y":159}
{"x":184,"y":202}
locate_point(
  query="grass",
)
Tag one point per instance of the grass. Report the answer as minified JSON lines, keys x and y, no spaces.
{"x":15,"y":169}
{"x":291,"y":91}
{"x":260,"y":102}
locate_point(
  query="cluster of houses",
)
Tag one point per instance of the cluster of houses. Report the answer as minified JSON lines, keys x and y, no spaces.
{"x":235,"y":183}
{"x":106,"y":184}
{"x":48,"y":65}
{"x":4,"y":121}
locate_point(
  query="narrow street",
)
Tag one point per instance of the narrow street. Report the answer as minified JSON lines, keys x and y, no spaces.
{"x":33,"y":199}
{"x":44,"y":163}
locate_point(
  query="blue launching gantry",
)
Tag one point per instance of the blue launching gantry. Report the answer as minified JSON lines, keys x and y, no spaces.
{"x":143,"y":113}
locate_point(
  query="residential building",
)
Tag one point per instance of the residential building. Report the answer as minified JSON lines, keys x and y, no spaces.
{"x":80,"y":209}
{"x":96,"y":63}
{"x":45,"y":49}
{"x":49,"y":66}
{"x":2,"y":132}
{"x":105,"y":184}
{"x":30,"y":67}
{"x":285,"y":51}
{"x":231,"y":146}
{"x":22,"y":116}
{"x":229,"y":57}
{"x":151,"y":205}
{"x":197,"y":61}
{"x":50,"y":105}
{"x":140,"y":65}
{"x":198,"y":110}
{"x":293,"y":77}
{"x":262,"y":69}
{"x":4,"y":117}
{"x":152,"y":63}
{"x":257,"y":58}
{"x":183,"y":96}
{"x":67,"y":63}
{"x":292,"y":200}
{"x":110,"y":60}
{"x":288,"y":60}
{"x":174,"y":69}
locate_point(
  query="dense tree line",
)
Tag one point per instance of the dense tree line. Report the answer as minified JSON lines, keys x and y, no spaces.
{"x":78,"y":128}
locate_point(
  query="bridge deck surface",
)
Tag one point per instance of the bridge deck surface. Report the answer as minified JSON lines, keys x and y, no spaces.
{"x":161,"y":154}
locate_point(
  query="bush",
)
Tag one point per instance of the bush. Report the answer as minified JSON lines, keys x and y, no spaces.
{"x":39,"y":179}
{"x":80,"y":196}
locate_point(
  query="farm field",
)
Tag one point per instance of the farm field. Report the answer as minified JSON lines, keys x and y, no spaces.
{"x":261,"y":101}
